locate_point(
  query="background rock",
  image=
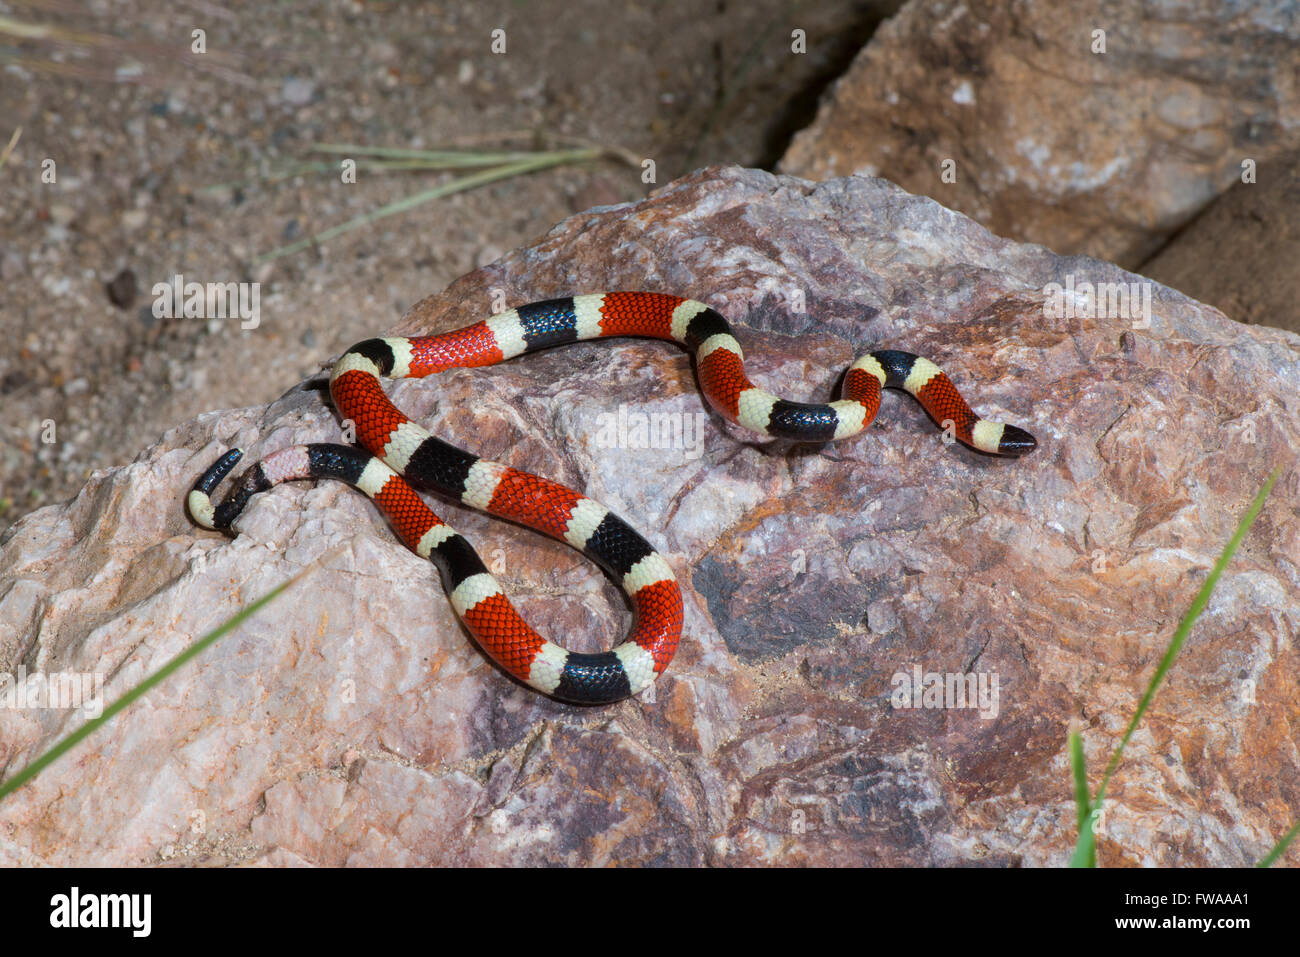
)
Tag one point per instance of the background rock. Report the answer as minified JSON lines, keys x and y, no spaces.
{"x":354,"y":722}
{"x":1242,"y":254}
{"x":1104,"y":154}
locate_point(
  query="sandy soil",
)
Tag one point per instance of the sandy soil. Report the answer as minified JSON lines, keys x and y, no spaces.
{"x":163,"y":156}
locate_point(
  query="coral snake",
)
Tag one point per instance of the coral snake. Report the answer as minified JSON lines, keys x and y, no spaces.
{"x":403,"y":457}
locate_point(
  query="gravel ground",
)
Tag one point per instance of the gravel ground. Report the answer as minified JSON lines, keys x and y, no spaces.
{"x":161,"y":159}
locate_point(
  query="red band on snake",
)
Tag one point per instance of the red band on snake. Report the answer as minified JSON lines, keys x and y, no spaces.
{"x":400,"y":457}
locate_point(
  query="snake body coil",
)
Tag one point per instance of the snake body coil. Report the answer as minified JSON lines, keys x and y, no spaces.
{"x":403,"y":457}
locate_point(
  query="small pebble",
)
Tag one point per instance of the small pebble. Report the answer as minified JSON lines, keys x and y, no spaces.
{"x":122,"y":289}
{"x":381,"y":51}
{"x":298,"y":91}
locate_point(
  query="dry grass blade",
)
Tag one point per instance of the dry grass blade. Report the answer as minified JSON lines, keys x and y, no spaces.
{"x":13,"y":141}
{"x":537,"y":161}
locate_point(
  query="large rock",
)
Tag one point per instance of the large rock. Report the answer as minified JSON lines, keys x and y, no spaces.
{"x":353,"y":721}
{"x":1104,"y":154}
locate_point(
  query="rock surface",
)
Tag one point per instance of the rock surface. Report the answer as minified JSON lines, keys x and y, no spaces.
{"x":1242,"y":255}
{"x":353,"y":721}
{"x":1104,"y":154}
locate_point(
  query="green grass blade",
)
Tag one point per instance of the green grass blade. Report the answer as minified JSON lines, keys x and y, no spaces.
{"x":1269,"y":859}
{"x":533,"y":164}
{"x":1079,"y":765}
{"x":69,"y":741}
{"x":1085,"y":848}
